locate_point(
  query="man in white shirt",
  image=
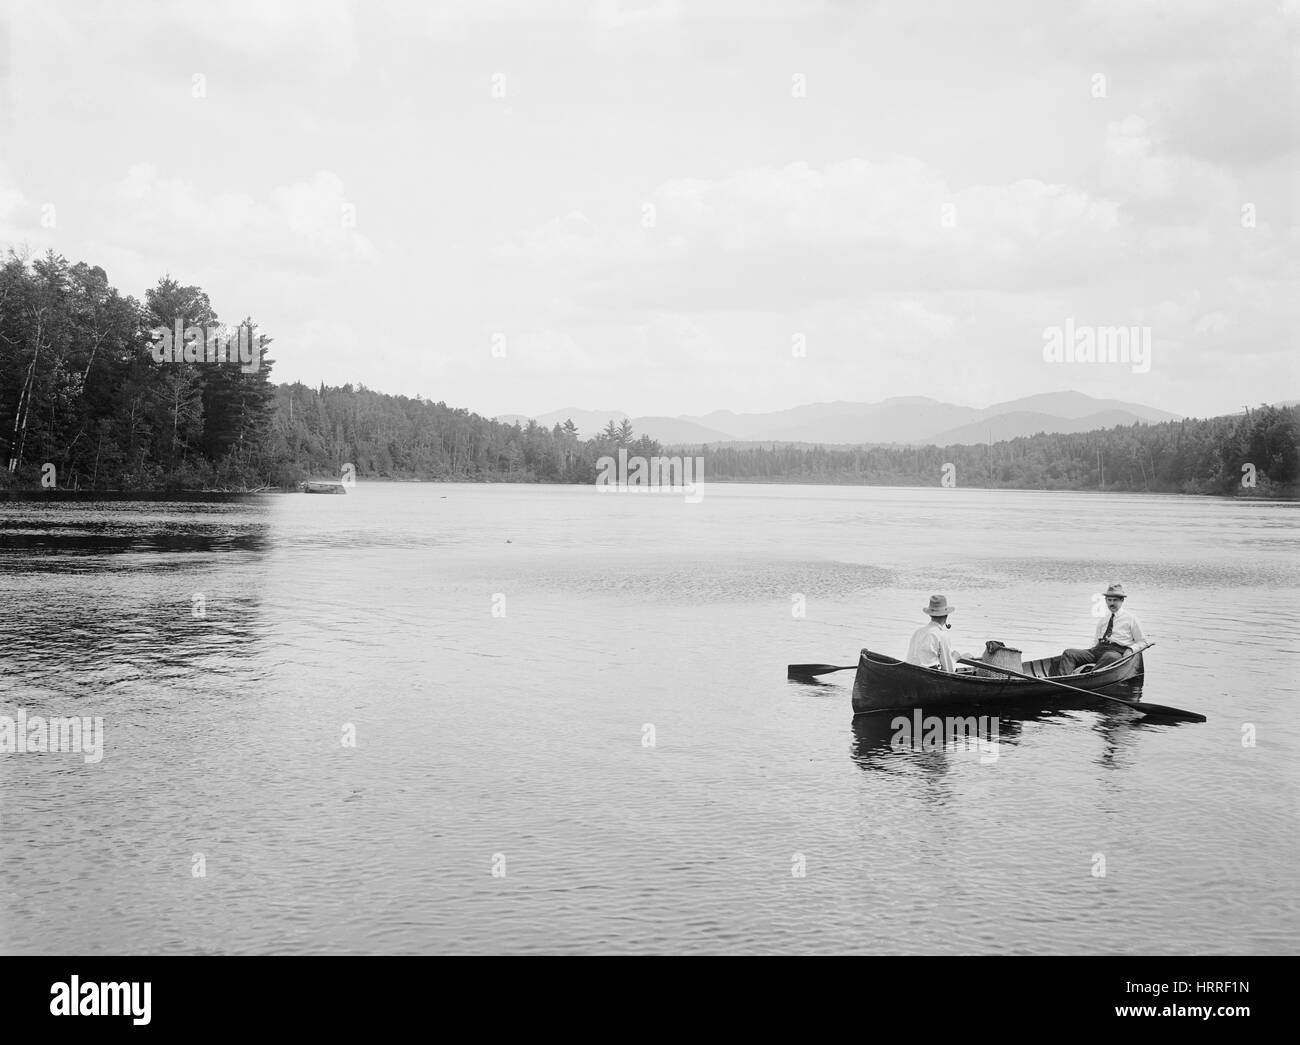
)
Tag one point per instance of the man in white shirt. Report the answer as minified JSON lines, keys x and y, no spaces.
{"x":929,"y":646}
{"x":1117,"y":633}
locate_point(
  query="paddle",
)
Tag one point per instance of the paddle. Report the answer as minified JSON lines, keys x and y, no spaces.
{"x":1146,"y":709}
{"x":793,"y":671}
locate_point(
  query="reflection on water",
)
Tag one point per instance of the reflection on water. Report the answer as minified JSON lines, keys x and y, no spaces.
{"x":109,"y":595}
{"x":884,"y":740}
{"x":595,"y":689}
{"x":190,"y":539}
{"x":104,"y":529}
{"x":1119,"y":732}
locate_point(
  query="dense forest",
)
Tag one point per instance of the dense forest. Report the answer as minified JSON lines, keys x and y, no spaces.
{"x":1256,"y":454}
{"x":317,"y":431}
{"x":80,"y":389}
{"x":85,"y":403}
{"x":402,"y":438}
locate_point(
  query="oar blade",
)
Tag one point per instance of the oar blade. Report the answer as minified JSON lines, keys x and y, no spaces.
{"x":1144,"y":709}
{"x":1164,"y":711}
{"x":804,"y":671}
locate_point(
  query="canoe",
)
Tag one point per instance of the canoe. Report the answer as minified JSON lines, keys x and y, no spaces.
{"x":314,"y":487}
{"x":886,"y":683}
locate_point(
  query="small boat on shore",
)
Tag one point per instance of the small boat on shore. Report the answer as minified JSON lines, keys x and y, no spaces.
{"x":885,"y":683}
{"x":317,"y":487}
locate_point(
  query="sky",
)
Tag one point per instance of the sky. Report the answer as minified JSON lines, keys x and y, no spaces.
{"x":671,"y":208}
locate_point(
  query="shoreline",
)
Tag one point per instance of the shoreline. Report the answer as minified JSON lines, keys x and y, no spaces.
{"x":219,"y":496}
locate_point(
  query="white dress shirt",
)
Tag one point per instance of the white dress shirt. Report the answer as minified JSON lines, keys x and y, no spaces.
{"x":929,"y":646}
{"x":1127,"y":631}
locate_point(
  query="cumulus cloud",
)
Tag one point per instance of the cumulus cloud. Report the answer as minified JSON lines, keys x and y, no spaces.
{"x":1136,"y":171}
{"x":878,"y":265}
{"x":308,"y":222}
{"x":793,"y":235}
{"x":1215,"y":81}
{"x":572,"y":239}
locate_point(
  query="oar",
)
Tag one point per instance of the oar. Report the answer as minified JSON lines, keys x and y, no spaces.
{"x":1146,"y":709}
{"x":793,"y":671}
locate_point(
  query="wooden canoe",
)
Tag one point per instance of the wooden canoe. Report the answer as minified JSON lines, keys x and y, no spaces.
{"x":886,"y":683}
{"x":318,"y":487}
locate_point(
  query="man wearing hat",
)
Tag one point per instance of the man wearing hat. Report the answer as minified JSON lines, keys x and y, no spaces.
{"x":929,"y":646}
{"x":1116,"y":634}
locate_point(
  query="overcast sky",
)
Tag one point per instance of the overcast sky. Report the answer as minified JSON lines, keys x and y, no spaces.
{"x":650,"y":206}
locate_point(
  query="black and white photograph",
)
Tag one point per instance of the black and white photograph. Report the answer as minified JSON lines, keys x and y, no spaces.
{"x":650,"y":478}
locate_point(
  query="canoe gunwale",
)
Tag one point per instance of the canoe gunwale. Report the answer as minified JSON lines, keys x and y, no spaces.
{"x":887,"y":683}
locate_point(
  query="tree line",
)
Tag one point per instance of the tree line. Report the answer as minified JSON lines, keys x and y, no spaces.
{"x":84,"y":404}
{"x":394,"y":437}
{"x":84,"y":395}
{"x":1255,"y":454}
{"x":316,"y":431}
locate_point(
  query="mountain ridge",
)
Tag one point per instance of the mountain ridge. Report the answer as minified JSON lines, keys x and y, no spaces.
{"x":905,"y":420}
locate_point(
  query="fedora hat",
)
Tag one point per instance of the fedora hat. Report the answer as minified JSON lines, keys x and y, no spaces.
{"x":938,"y":606}
{"x":1116,"y":591}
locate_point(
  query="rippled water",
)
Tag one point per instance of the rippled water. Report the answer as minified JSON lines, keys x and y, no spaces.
{"x":521,"y":739}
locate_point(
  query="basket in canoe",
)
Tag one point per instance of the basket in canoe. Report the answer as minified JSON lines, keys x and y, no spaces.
{"x":887,"y":683}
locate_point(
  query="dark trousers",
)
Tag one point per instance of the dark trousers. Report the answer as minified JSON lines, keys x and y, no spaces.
{"x":1101,"y":654}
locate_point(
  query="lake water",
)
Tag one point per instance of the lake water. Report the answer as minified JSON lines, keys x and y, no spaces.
{"x":586,"y":694}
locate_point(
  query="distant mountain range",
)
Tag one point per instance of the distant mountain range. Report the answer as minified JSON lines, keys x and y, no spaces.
{"x":907,"y":420}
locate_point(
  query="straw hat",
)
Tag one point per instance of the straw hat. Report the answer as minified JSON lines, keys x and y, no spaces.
{"x":938,"y":606}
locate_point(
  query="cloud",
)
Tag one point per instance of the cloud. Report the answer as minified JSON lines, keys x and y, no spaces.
{"x":306,"y":223}
{"x":242,"y":43}
{"x":269,"y":30}
{"x":1188,"y":214}
{"x":794,"y":235}
{"x":884,"y":266}
{"x":572,"y":239}
{"x":12,"y":203}
{"x":1213,"y":323}
{"x":616,"y":20}
{"x":1214,"y":81}
{"x":1135,"y":170}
